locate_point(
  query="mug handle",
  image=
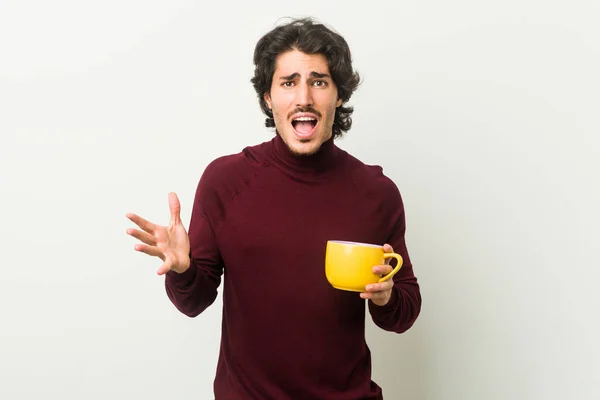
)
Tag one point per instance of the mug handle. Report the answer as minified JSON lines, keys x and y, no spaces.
{"x":398,"y":258}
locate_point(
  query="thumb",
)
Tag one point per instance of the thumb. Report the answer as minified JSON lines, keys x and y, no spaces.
{"x":387,"y":248}
{"x":175,"y":208}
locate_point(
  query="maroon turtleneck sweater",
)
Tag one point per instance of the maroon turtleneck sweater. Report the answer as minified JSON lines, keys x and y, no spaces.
{"x":260,"y":221}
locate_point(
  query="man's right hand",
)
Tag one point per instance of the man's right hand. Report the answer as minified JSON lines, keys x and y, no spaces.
{"x":169,"y":243}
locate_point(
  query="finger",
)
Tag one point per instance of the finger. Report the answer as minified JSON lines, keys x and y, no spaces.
{"x":383,"y":295}
{"x":143,"y":236}
{"x":164,"y":268}
{"x":382,"y":269}
{"x":388,"y":249}
{"x":380,"y":287}
{"x":378,"y":299}
{"x":175,"y":208}
{"x":373,"y":295}
{"x":150,"y":250}
{"x":141,"y":222}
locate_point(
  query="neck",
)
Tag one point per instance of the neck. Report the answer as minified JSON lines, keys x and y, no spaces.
{"x":318,"y":163}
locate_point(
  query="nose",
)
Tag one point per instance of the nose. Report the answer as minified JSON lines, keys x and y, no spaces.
{"x":303,"y":96}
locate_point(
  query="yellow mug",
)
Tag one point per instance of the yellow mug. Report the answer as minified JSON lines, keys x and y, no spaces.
{"x":349,"y":265}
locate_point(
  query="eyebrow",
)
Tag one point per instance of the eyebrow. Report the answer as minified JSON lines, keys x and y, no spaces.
{"x":295,"y":75}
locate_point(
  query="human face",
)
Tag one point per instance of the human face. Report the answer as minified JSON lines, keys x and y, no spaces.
{"x":303,"y":99}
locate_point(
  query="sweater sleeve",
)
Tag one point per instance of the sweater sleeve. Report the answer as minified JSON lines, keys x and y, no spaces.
{"x":401,"y":312}
{"x":195,"y":289}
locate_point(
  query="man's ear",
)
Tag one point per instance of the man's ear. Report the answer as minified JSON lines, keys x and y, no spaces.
{"x":268,"y":100}
{"x":339,"y":103}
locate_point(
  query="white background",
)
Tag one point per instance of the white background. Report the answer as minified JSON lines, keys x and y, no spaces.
{"x":485,"y":114}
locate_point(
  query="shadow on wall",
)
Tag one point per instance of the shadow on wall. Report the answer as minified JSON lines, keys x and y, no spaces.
{"x":400,"y":362}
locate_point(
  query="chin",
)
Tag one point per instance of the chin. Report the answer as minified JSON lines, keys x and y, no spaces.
{"x":304,"y":147}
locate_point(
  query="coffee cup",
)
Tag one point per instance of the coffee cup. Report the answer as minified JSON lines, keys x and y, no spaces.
{"x":349,"y":265}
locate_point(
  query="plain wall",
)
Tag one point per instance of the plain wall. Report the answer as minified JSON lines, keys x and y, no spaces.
{"x":485,"y":114}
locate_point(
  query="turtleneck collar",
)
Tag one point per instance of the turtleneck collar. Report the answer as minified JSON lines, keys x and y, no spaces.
{"x":314,"y":165}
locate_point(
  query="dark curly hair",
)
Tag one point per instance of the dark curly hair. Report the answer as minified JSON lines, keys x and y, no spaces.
{"x":308,"y":37}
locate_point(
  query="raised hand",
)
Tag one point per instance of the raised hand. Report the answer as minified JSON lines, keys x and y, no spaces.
{"x":169,"y":243}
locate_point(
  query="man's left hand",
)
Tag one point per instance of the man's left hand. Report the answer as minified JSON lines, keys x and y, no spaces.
{"x":380,"y":293}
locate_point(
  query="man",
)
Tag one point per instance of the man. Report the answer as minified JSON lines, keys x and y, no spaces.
{"x":260,"y":222}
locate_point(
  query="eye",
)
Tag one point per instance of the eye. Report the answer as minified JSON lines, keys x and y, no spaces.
{"x":288,"y":84}
{"x":320,"y":83}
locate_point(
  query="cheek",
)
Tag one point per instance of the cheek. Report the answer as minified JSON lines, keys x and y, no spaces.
{"x":331,"y":110}
{"x":279,"y":106}
{"x":329,"y":103}
{"x":278,"y":112}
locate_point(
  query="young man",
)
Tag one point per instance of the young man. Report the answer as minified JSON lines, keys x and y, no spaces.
{"x":261,"y":220}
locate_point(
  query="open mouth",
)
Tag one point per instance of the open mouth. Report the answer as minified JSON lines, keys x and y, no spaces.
{"x":304,"y":126}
